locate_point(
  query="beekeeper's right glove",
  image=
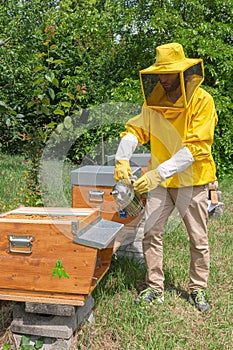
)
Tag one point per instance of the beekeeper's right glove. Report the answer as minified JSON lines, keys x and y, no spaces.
{"x":122,"y":171}
{"x":124,"y":152}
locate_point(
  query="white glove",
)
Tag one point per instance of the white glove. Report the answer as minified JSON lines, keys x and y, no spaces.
{"x":179,"y":162}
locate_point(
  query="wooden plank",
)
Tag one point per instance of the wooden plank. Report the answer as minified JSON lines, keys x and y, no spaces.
{"x":105,"y":257}
{"x":48,"y":298}
{"x":88,"y":220}
{"x":50,"y":211}
{"x":64,"y":225}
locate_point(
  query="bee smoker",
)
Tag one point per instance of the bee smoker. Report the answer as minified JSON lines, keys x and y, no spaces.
{"x":127,"y":199}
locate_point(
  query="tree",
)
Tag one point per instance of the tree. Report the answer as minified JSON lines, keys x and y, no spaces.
{"x":56,"y":46}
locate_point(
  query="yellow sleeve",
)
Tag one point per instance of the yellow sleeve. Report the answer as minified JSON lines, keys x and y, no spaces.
{"x":200,"y":132}
{"x":139,"y":126}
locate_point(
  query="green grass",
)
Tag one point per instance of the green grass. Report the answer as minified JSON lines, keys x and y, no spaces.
{"x":174,"y":325}
{"x":13,"y":182}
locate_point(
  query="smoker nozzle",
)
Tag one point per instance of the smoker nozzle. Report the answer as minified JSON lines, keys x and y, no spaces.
{"x":126,"y":198}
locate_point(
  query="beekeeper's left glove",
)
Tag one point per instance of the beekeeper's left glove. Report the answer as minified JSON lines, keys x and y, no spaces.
{"x":147,"y":182}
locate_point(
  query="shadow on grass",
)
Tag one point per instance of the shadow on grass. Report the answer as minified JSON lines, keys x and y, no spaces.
{"x":129,"y":274}
{"x":172,"y":288}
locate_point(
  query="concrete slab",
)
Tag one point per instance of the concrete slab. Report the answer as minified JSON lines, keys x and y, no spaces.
{"x":50,"y":309}
{"x":51,"y":326}
{"x":42,"y":325}
{"x":48,"y":343}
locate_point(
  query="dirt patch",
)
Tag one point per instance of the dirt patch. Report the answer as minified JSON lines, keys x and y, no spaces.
{"x":6,"y":316}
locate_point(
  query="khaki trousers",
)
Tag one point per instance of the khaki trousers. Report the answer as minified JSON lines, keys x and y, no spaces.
{"x":191,"y":203}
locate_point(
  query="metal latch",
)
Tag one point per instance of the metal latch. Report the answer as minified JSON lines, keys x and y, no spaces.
{"x":96,"y":196}
{"x":20,"y":244}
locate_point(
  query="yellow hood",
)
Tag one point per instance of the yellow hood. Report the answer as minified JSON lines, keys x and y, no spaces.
{"x":170,"y":59}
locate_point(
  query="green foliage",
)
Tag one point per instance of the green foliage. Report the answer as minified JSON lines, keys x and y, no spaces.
{"x":25,"y":343}
{"x":52,"y":98}
{"x":64,"y":57}
{"x":86,"y":137}
{"x":6,"y":136}
{"x":130,"y":89}
{"x":7,"y":347}
{"x":223,"y":143}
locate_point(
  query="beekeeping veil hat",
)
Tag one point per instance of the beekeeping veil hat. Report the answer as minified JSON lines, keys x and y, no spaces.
{"x":170,"y":59}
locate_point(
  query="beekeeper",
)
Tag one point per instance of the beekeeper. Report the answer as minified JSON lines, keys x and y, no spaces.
{"x":178,"y":120}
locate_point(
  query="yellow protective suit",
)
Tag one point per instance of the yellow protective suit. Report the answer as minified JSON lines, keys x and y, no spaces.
{"x":178,"y":120}
{"x":168,"y":131}
{"x":169,"y":127}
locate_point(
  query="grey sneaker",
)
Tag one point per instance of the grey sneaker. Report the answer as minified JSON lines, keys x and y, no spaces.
{"x":148,"y":297}
{"x":198,"y":299}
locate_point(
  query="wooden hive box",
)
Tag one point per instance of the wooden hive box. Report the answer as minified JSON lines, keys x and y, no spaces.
{"x":92,"y":186}
{"x":37,"y":245}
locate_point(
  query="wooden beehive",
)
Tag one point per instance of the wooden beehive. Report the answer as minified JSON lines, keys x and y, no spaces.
{"x":34,"y":240}
{"x":92,"y":186}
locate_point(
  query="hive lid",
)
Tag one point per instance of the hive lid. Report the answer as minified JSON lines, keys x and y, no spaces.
{"x":96,"y":175}
{"x":137,"y":159}
{"x":99,"y":235}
